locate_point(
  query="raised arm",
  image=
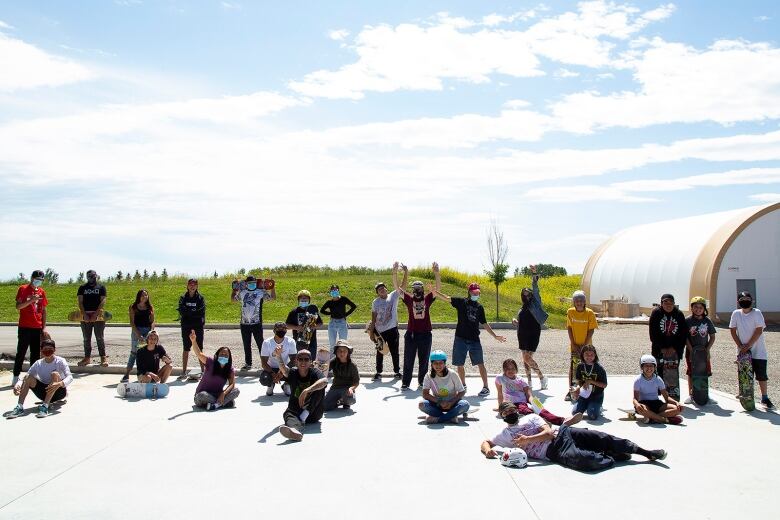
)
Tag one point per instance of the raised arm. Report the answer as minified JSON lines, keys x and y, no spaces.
{"x":196,"y":347}
{"x":436,"y":292}
{"x":436,"y":277}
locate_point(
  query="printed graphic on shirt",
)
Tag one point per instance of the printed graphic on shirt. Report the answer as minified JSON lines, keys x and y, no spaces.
{"x":418,"y":309}
{"x":702,"y":330}
{"x":669,"y":325}
{"x":472,"y":313}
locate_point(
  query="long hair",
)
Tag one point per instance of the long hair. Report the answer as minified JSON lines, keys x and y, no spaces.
{"x":589,"y":348}
{"x":444,"y":372}
{"x":219,"y":370}
{"x":509,"y":363}
{"x":134,"y":306}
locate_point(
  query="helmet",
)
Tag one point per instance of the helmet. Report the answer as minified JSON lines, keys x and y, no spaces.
{"x":514,"y":458}
{"x":304,"y":292}
{"x":698,"y":299}
{"x":438,"y":355}
{"x":647,"y":358}
{"x":473,"y":286}
{"x":578,"y":294}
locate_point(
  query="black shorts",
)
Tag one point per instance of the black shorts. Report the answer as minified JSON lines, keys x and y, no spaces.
{"x":655,"y":405}
{"x":759,"y":369}
{"x":185,"y":336}
{"x":40,"y":392}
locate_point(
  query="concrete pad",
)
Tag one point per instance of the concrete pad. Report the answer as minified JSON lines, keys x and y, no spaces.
{"x":105,"y":457}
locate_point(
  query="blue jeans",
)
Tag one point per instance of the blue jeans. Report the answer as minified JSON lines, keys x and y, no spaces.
{"x":134,"y":345}
{"x":461,"y":347}
{"x":591,"y":405}
{"x":433,"y":410}
{"x":337,"y":329}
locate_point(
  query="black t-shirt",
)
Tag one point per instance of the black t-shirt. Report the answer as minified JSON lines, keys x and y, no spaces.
{"x":297,"y":316}
{"x":337,"y":309}
{"x":528,"y":329}
{"x":143,"y":317}
{"x":192,"y":309}
{"x":149,"y":360}
{"x":594,"y":372}
{"x":470,"y":315}
{"x":667,"y":330}
{"x":298,"y":384}
{"x":91,"y":295}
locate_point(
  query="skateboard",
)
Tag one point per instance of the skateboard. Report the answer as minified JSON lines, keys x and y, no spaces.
{"x":78,"y":316}
{"x":672,"y":375}
{"x":194,"y":374}
{"x":379,"y":342}
{"x":322,"y":360}
{"x":575,"y":362}
{"x":745,"y":381}
{"x":266,"y":284}
{"x":630,"y":414}
{"x":144,"y":390}
{"x":699,"y":375}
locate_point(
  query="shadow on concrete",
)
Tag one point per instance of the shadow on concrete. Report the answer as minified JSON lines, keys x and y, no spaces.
{"x":309,"y":429}
{"x":195,"y":409}
{"x":406,"y":394}
{"x":694,"y":411}
{"x":339,"y":413}
{"x":270,"y":400}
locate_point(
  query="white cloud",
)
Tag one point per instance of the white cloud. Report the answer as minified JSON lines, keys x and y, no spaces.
{"x":583,"y":193}
{"x":231,"y":6}
{"x":423,"y":56}
{"x":566,"y":73}
{"x":6,"y":26}
{"x":338,"y":34}
{"x":25,"y":66}
{"x":762,"y":18}
{"x":766,"y":197}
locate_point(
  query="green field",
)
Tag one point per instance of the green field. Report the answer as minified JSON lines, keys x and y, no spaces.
{"x":358,"y":287}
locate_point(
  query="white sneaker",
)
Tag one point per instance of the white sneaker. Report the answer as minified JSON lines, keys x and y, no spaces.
{"x":290,"y":433}
{"x":269,"y":391}
{"x":286,"y":389}
{"x":689,"y":400}
{"x":544,"y":383}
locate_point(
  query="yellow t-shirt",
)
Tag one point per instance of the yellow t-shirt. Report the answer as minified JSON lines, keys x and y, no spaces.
{"x":580,"y":323}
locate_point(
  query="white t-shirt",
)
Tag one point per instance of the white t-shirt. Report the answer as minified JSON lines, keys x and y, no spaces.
{"x":445,"y":388}
{"x":528,"y":425}
{"x":648,"y":388}
{"x":386,"y":311}
{"x":288,"y":349}
{"x":252,"y":305}
{"x":746,"y":324}
{"x":41,"y":370}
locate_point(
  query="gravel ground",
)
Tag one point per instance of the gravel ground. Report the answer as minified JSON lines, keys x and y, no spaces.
{"x":619,"y":348}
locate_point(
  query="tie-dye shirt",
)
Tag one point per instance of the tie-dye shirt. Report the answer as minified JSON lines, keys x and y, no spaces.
{"x":514,"y":389}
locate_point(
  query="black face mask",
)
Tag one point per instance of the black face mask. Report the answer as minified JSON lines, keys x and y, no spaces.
{"x":511,"y":418}
{"x":745,"y":304}
{"x":280,"y":333}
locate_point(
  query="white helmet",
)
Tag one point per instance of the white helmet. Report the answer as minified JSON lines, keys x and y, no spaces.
{"x":514,"y":458}
{"x":647,"y":358}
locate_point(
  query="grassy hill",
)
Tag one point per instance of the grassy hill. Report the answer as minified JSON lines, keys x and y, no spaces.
{"x":358,"y":287}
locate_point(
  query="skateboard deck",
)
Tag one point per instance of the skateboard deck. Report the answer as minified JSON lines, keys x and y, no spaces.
{"x":745,"y":381}
{"x":575,"y":362}
{"x":266,"y":284}
{"x":143,"y":390}
{"x":672,"y":376}
{"x":379,"y":342}
{"x":699,"y":375}
{"x":630,"y":414}
{"x":194,"y":374}
{"x":79,"y":316}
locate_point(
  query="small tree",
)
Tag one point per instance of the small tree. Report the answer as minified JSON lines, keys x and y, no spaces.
{"x":127,"y":276}
{"x":51,"y":276}
{"x":136,"y":276}
{"x":119,"y":276}
{"x":497,"y":253}
{"x":21,"y":278}
{"x":543,"y":270}
{"x":241,"y":272}
{"x":145,"y":276}
{"x":70,"y":280}
{"x":81,"y":278}
{"x":153,"y":278}
{"x":164,"y":274}
{"x":216,"y":275}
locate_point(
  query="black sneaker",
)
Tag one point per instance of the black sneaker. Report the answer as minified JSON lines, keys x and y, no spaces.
{"x":768,"y":403}
{"x":657,"y":455}
{"x":620,"y":457}
{"x":377,"y":376}
{"x":397,"y":375}
{"x":568,"y":397}
{"x":404,"y":387}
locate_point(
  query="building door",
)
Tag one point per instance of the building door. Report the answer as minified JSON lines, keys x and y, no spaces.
{"x":749,"y":286}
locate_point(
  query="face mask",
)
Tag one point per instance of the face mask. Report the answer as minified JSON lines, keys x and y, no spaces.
{"x":251,"y":286}
{"x":303,"y":304}
{"x":280,"y":333}
{"x":222,"y":360}
{"x":745,"y":304}
{"x":92,"y":280}
{"x":474,"y":297}
{"x":47,"y":353}
{"x":335,"y":294}
{"x":37,"y":283}
{"x":511,"y":418}
{"x":418,"y":291}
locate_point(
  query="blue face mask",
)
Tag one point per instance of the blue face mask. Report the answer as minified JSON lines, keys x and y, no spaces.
{"x":335,"y":294}
{"x":37,"y":283}
{"x":251,"y":286}
{"x":222,"y":360}
{"x":474,"y":297}
{"x":303,"y":304}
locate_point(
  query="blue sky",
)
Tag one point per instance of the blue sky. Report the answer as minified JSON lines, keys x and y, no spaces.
{"x":215,"y":135}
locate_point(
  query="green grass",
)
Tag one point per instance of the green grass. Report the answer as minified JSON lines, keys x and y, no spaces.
{"x":358,"y":287}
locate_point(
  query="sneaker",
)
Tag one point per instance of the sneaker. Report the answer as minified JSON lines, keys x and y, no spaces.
{"x":568,"y":397}
{"x":210,"y":407}
{"x":397,"y":375}
{"x":768,"y":403}
{"x":674,"y":420}
{"x":404,"y":388}
{"x":18,"y":411}
{"x":14,"y":380}
{"x":657,"y":455}
{"x":689,"y":400}
{"x":124,"y":379}
{"x":419,"y":387}
{"x":43,"y":411}
{"x":544,"y":383}
{"x":182,"y":377}
{"x":246,"y":366}
{"x":484,"y":392}
{"x":455,"y":420}
{"x":286,"y":389}
{"x":620,"y":457}
{"x":642,"y":419}
{"x":290,"y":433}
{"x":377,"y":377}
{"x":231,"y":404}
{"x":269,"y":391}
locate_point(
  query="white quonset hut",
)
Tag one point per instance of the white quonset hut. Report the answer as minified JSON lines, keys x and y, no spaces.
{"x":714,"y":256}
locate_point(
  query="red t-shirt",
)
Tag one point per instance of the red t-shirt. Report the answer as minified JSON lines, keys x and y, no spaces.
{"x":31,"y":317}
{"x":419,"y":317}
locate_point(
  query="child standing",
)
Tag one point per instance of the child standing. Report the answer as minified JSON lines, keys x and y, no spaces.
{"x":647,"y":387}
{"x":747,"y":330}
{"x":591,"y":379}
{"x":701,"y":334}
{"x":513,"y":389}
{"x":580,"y":323}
